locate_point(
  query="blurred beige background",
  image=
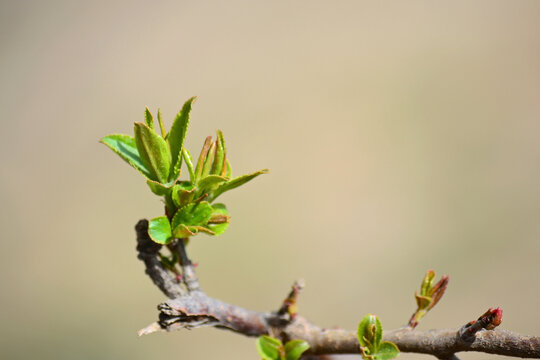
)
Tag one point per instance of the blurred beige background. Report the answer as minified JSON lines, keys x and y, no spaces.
{"x":400,"y":136}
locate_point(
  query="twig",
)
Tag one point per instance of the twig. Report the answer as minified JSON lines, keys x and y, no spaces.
{"x":289,"y":304}
{"x":196,"y":309}
{"x":489,"y":320}
{"x":148,"y":253}
{"x":190,"y":277}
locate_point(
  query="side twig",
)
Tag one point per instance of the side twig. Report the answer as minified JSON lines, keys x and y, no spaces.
{"x":192,"y":309}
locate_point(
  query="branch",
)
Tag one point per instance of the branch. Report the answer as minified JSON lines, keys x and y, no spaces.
{"x":193,"y":308}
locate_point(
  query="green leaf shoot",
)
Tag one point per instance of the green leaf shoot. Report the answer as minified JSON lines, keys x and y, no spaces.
{"x":148,"y":119}
{"x":207,"y":166}
{"x":295,"y":348}
{"x":159,"y":230}
{"x":202,"y":158}
{"x":154,"y":152}
{"x":194,"y":214}
{"x":219,"y":161}
{"x":159,"y":157}
{"x":161,"y":126}
{"x":387,"y":350}
{"x":125,"y":147}
{"x":178,"y":132}
{"x":219,"y":221}
{"x":269,"y":348}
{"x":236,"y":182}
{"x":370,"y":333}
{"x":189,"y":164}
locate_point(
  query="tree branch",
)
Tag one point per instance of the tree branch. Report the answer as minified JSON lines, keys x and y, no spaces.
{"x":194,"y":309}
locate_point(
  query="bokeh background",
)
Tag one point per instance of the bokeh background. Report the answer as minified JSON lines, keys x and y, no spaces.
{"x":400,"y":136}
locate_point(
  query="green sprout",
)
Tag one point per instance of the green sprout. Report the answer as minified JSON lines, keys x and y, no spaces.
{"x":370,"y":340}
{"x":430,"y":294}
{"x":189,"y":207}
{"x":270,"y":348}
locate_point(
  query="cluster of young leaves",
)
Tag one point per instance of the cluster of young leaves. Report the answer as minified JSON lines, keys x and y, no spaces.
{"x":430,"y":294}
{"x":270,"y":348}
{"x":370,"y":340}
{"x":159,"y":157}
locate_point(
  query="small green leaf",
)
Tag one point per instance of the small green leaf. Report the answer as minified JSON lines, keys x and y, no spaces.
{"x":387,"y":350}
{"x":427,"y":283}
{"x":370,"y":333}
{"x":182,"y":231}
{"x":219,"y":161}
{"x":236,"y":182}
{"x":161,"y":126}
{"x":189,"y":163}
{"x":182,"y":193}
{"x":148,"y":119}
{"x":124,"y":146}
{"x":178,"y":131}
{"x":209,"y":183}
{"x":175,"y":171}
{"x":202,"y":158}
{"x":219,"y":210}
{"x":228,"y":172}
{"x":422,"y":301}
{"x":159,"y":230}
{"x":295,"y":348}
{"x":268,"y":347}
{"x":154,"y":152}
{"x":193,"y":215}
{"x":197,"y":229}
{"x":208,"y":161}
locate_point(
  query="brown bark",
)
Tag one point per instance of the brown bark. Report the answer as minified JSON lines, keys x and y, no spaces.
{"x":189,"y":307}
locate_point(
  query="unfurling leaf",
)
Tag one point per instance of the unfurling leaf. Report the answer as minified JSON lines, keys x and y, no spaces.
{"x":125,"y":147}
{"x":154,"y":152}
{"x":161,"y":126}
{"x":220,"y":158}
{"x":427,"y":283}
{"x":208,"y":161}
{"x":202,"y":158}
{"x":192,"y":215}
{"x":295,"y":348}
{"x":387,"y":350}
{"x":269,"y":348}
{"x":159,"y":230}
{"x":182,"y":193}
{"x":177,"y":135}
{"x":370,"y":336}
{"x":189,"y":163}
{"x":236,"y":182}
{"x":422,"y":301}
{"x":370,"y":333}
{"x":228,"y":172}
{"x":429,"y":296}
{"x":182,"y":231}
{"x":158,"y":188}
{"x":209,"y":183}
{"x":220,"y":212}
{"x":148,"y":119}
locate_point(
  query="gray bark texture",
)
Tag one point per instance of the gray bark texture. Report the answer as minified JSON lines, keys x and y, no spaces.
{"x":189,"y":307}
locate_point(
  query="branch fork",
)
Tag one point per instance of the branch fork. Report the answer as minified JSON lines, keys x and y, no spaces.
{"x":189,"y":307}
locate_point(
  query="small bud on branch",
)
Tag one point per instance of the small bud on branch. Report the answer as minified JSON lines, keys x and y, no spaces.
{"x":488,"y":320}
{"x":429,"y":296}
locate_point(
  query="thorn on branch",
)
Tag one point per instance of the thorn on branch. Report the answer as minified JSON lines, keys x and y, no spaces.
{"x":289,"y":305}
{"x":489,"y":321}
